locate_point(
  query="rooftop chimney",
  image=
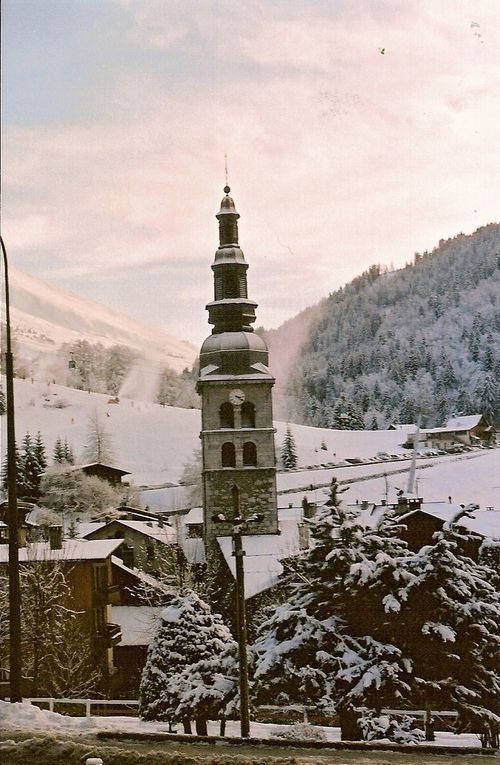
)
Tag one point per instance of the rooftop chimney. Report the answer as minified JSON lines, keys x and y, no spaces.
{"x":55,"y":537}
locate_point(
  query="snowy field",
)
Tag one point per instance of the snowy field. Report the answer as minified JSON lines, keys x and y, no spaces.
{"x":27,"y":717}
{"x":471,"y":477}
{"x":154,"y":443}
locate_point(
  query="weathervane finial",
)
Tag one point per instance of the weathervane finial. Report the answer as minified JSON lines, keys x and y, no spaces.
{"x":226,"y":187}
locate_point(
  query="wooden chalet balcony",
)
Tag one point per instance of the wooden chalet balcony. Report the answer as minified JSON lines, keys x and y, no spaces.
{"x":109,"y":595}
{"x":113,"y":634}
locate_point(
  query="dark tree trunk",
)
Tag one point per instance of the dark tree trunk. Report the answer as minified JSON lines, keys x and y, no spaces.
{"x":201,"y":726}
{"x":349,"y":726}
{"x":187,"y":726}
{"x":222,"y":731}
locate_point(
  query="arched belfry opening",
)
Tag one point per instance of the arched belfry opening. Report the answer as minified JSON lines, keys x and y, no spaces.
{"x":248,"y":415}
{"x":226,"y":415}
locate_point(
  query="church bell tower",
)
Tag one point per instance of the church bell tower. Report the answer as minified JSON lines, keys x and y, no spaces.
{"x":235,"y":385}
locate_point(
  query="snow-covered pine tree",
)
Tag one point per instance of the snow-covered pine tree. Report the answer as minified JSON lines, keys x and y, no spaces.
{"x":58,"y":453}
{"x":69,"y":456}
{"x":39,"y":452}
{"x":31,"y":469}
{"x":334,"y":637}
{"x":189,"y":634}
{"x":289,"y":450}
{"x":20,"y":479}
{"x":3,"y":403}
{"x":452,"y":627}
{"x":296,"y":651}
{"x":209,"y":689}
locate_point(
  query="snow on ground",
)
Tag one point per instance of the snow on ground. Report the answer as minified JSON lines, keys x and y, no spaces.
{"x":25,"y":716}
{"x":470,"y":477}
{"x":154,"y":443}
{"x":150,"y":441}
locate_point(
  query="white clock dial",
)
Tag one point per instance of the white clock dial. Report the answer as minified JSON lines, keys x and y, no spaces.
{"x":236,"y":397}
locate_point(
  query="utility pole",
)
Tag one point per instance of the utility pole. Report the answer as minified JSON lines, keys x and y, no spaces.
{"x":241,"y":615}
{"x":240,"y":525}
{"x":15,"y":663}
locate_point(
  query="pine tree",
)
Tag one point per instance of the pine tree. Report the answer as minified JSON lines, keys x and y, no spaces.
{"x":340,"y":418}
{"x":39,"y":452}
{"x":208,"y":689}
{"x":3,"y":403}
{"x":58,"y":454}
{"x":374,"y":424}
{"x":334,"y":637}
{"x":31,"y":469}
{"x":189,"y":636}
{"x":69,"y":456}
{"x":355,"y":417}
{"x":487,"y":393}
{"x":289,"y":450}
{"x":20,"y":478}
{"x":451,"y":618}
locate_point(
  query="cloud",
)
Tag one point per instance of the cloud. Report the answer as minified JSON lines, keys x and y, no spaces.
{"x":344,"y":155}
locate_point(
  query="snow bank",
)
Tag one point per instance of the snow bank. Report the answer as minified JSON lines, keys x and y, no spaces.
{"x":27,"y":717}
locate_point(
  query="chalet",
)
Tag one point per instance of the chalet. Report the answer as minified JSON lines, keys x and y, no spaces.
{"x":462,"y":430}
{"x":137,"y":614}
{"x":112,"y":475}
{"x":87,"y":567}
{"x":430,"y":517}
{"x":147,"y":545}
{"x":421,"y":520}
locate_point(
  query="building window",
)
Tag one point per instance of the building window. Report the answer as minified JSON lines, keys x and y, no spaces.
{"x":249,"y":454}
{"x":248,"y":415}
{"x":228,"y":455}
{"x":226,"y":415}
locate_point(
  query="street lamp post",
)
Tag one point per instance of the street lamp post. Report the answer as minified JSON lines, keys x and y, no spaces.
{"x":15,"y":663}
{"x":240,"y":524}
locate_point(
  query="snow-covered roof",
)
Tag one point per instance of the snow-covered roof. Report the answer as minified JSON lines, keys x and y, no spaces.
{"x":99,"y":464}
{"x":464,"y":421}
{"x":165,"y":534}
{"x":484,"y":522}
{"x":138,"y":623}
{"x":195,"y":516}
{"x":72,"y":549}
{"x":263,"y":553}
{"x":140,"y":575}
{"x":84,"y":528}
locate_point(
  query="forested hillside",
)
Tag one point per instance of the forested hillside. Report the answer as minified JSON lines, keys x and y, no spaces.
{"x":427,"y":335}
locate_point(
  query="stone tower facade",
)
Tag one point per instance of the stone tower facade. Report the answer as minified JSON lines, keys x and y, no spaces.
{"x":235,"y":385}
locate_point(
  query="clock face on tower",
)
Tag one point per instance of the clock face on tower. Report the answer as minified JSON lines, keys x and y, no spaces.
{"x":236,"y":397}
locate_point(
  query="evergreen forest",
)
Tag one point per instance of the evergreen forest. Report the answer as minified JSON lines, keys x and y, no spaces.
{"x":392,"y":342}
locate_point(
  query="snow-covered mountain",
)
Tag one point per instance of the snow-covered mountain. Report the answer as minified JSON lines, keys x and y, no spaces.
{"x":44,"y":317}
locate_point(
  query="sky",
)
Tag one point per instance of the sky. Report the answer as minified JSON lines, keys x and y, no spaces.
{"x":356,"y":132}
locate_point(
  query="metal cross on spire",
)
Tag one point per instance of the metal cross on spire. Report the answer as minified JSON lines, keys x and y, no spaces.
{"x":225,"y":170}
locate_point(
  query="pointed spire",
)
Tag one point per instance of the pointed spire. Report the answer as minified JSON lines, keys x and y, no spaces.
{"x":228,"y":220}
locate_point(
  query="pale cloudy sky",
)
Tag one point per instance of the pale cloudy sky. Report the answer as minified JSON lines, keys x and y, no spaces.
{"x":357,"y":131}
